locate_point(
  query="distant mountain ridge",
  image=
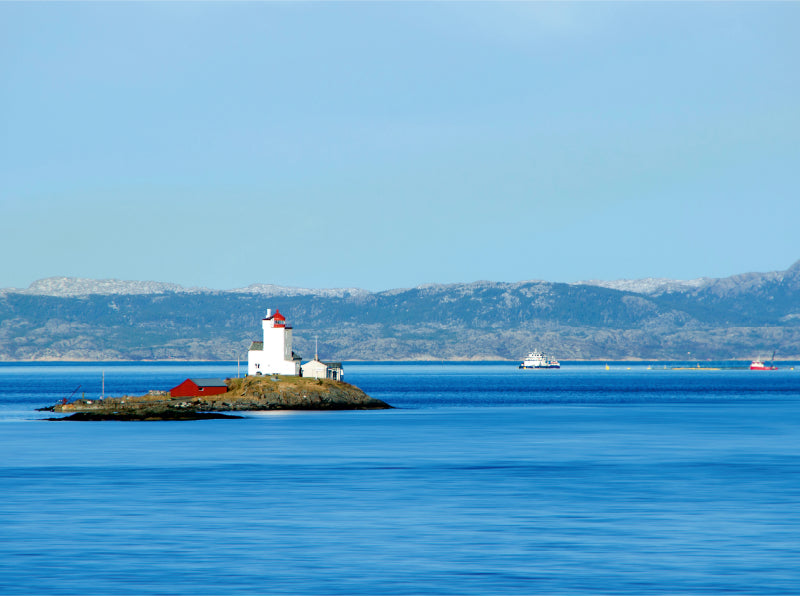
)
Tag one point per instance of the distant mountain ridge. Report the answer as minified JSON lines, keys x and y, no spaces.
{"x":76,"y":286}
{"x":657,"y":286}
{"x":742,"y":316}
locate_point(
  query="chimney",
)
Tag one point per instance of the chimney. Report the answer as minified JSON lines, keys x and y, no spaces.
{"x":269,"y":312}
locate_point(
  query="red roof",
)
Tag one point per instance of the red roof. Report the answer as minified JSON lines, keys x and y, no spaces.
{"x":198,"y":387}
{"x":278,"y":316}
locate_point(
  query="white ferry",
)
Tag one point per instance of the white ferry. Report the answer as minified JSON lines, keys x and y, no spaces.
{"x":537,"y":359}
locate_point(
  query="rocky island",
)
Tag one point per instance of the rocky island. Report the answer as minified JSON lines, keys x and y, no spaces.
{"x":277,"y":392}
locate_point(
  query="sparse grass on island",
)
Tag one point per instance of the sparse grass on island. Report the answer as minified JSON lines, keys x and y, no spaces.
{"x":244,"y":394}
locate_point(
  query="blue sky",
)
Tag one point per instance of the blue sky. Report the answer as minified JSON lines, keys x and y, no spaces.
{"x":384,"y":145}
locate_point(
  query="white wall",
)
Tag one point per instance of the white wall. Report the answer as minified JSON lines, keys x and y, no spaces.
{"x":277,"y":340}
{"x":258,"y":362}
{"x":315,"y":370}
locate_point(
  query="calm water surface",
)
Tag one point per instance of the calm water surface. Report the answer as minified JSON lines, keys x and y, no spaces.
{"x":485,"y":480}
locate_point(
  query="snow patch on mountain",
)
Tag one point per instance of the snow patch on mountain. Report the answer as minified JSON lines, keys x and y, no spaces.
{"x":650,"y":286}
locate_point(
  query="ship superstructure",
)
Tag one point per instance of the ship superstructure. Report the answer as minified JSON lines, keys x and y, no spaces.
{"x":537,"y":359}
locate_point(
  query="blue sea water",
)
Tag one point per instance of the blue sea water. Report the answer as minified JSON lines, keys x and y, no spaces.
{"x":486,"y":479}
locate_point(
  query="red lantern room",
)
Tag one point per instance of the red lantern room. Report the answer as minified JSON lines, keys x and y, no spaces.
{"x":278,"y":320}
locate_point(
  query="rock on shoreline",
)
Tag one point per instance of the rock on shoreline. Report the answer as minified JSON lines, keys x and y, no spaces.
{"x":244,"y":394}
{"x":143,"y":416}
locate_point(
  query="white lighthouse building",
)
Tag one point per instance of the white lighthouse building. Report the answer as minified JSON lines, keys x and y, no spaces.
{"x":274,"y":354}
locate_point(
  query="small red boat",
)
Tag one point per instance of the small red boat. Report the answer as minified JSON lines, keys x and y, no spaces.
{"x":759,"y":365}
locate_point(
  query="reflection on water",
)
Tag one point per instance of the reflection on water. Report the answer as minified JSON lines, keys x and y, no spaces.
{"x":488,"y":480}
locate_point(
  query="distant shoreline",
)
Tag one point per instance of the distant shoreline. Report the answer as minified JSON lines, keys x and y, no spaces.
{"x":451,"y":361}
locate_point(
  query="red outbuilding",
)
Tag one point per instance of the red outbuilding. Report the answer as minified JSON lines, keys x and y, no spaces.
{"x":199,"y":387}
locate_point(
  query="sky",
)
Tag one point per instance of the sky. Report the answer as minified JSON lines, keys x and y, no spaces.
{"x":389,"y":144}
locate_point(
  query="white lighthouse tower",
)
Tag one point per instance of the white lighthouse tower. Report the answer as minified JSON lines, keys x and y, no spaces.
{"x":274,"y":354}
